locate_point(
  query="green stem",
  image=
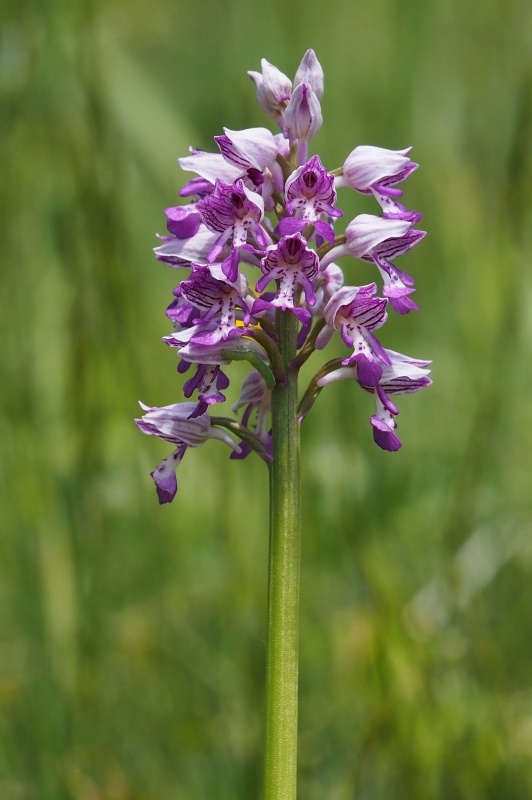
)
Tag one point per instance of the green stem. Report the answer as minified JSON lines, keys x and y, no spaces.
{"x":280,"y":780}
{"x":329,"y":245}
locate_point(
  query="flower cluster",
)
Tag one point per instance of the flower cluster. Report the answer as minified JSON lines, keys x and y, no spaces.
{"x":262,"y":205}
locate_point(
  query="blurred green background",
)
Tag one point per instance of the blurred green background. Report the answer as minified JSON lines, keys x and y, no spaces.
{"x":132,"y":636}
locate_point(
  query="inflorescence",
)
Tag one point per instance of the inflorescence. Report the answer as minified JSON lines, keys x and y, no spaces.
{"x":261,"y":203}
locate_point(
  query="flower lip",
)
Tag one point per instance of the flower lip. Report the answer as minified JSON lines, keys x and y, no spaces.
{"x":164,"y":475}
{"x":252,"y":148}
{"x":210,"y":166}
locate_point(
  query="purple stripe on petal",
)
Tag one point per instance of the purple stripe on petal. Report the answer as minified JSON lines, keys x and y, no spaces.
{"x":231,"y":153}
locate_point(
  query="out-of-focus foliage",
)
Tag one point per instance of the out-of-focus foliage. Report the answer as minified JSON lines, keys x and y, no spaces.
{"x":132,"y":636}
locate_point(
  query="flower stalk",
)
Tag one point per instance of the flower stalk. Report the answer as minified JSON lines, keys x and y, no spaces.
{"x":280,"y":773}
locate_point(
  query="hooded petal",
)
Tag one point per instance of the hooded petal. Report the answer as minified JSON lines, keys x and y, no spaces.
{"x":182,"y":252}
{"x":310,"y":72}
{"x":250,"y":148}
{"x":303,"y":118}
{"x":367,"y":166}
{"x":367,"y":231}
{"x":173,"y":424}
{"x":210,"y":166}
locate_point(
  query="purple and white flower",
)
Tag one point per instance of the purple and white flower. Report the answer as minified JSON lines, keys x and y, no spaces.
{"x":310,"y":195}
{"x":377,"y":240}
{"x":234,"y":212}
{"x":355,"y":312}
{"x":220,"y":300}
{"x":293,"y":265}
{"x":176,"y":425}
{"x":400,"y":375}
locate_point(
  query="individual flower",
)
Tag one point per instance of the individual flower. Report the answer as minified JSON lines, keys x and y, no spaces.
{"x":293,"y":264}
{"x":376,"y":170}
{"x":309,"y":195}
{"x":255,"y":152}
{"x":219,"y":300}
{"x":249,"y":155}
{"x":355,"y":312}
{"x":401,"y":375}
{"x":234,"y":212}
{"x":377,"y":240}
{"x":174,"y":424}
